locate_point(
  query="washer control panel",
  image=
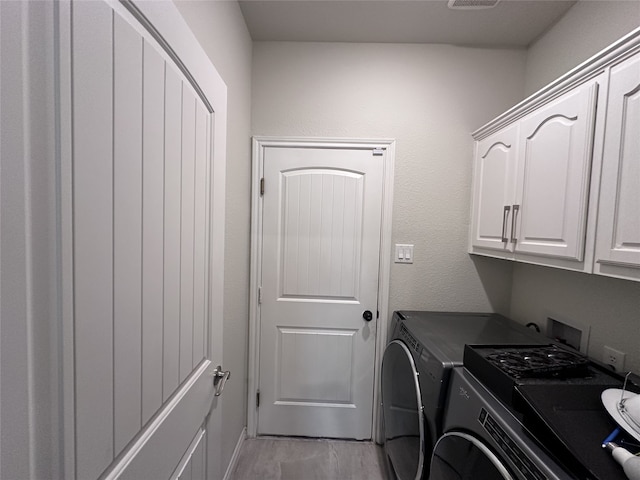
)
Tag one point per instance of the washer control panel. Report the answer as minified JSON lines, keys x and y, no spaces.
{"x":509,"y":447}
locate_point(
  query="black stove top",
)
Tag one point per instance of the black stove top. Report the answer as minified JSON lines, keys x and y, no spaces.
{"x":546,"y":361}
{"x":556,"y":395}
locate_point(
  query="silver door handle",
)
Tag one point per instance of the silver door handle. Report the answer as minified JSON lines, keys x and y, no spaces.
{"x":505,"y":215}
{"x":219,"y":379}
{"x":514,"y":220}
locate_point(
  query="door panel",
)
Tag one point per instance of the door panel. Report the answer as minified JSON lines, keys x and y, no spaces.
{"x":554,"y":171}
{"x":187,"y":207}
{"x":152,"y":231}
{"x":496,"y":166}
{"x":172,"y":185}
{"x":300,"y":353}
{"x":618,"y":241}
{"x":141,"y":169}
{"x":127,"y":231}
{"x":321,"y":242}
{"x":321,"y":234}
{"x":200,"y":269}
{"x":93,"y":237}
{"x":193,"y":464}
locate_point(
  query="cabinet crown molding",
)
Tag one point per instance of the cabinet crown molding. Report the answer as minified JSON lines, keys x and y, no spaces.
{"x":617,"y":51}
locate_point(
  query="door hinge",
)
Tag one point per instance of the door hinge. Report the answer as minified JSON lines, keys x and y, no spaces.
{"x":262,"y":186}
{"x":257,"y":398}
{"x":259,"y":295}
{"x":378,"y":151}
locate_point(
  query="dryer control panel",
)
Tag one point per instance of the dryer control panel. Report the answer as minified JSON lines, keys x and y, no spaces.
{"x":509,"y":447}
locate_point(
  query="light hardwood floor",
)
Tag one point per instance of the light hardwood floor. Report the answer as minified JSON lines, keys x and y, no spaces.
{"x":275,"y":458}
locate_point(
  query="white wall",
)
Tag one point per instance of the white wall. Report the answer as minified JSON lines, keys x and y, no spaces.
{"x":611,"y":307}
{"x":588,"y":27}
{"x":220,"y":29}
{"x":427,"y":97}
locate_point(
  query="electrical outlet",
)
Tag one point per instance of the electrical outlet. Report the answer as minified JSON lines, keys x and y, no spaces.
{"x":614,"y":358}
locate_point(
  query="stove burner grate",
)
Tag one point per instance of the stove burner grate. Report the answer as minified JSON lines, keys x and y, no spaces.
{"x":538,"y":362}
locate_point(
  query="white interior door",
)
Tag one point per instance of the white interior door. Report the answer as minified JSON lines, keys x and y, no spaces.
{"x":145,"y":133}
{"x":322,"y":212}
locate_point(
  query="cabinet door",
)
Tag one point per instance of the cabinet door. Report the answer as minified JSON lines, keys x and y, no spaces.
{"x":618,"y":238}
{"x":495,"y":169}
{"x":553,"y":176}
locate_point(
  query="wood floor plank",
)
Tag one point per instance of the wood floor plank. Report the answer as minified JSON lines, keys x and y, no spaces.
{"x":269,"y":458}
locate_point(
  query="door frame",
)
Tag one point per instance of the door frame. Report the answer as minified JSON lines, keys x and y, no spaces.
{"x":259,"y":143}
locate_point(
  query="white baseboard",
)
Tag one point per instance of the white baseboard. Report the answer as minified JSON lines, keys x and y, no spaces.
{"x":236,"y":454}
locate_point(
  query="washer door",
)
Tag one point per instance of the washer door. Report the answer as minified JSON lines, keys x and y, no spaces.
{"x":459,"y":456}
{"x":402,"y":412}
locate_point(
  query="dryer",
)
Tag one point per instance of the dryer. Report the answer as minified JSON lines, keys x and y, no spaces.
{"x":484,"y":440}
{"x":416,"y":366}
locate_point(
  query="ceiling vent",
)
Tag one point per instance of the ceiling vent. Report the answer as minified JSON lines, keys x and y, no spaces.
{"x":471,"y":4}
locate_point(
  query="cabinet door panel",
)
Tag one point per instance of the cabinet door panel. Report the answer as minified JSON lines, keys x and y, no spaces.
{"x":618,"y":240}
{"x":494,"y":184}
{"x":553,"y":176}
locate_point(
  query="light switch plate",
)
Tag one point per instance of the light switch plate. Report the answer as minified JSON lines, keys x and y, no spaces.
{"x":404,"y":253}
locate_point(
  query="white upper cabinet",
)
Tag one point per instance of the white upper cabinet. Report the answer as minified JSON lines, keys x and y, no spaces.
{"x":557,"y":177}
{"x":531,"y":184}
{"x":494,"y":182}
{"x":550,"y":210}
{"x":618,"y":237}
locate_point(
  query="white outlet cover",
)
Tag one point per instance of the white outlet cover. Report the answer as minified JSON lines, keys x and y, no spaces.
{"x":609,"y":353}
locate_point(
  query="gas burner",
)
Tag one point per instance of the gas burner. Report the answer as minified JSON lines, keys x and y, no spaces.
{"x":545,"y":361}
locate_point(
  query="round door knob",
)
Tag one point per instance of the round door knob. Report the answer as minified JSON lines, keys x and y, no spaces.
{"x":367,"y":315}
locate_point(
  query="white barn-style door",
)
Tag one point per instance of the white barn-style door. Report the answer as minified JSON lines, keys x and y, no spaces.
{"x":143,"y":115}
{"x":321,"y":234}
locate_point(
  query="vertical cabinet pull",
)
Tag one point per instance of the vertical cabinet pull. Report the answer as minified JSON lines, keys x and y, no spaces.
{"x":505,"y":216}
{"x":514,"y":220}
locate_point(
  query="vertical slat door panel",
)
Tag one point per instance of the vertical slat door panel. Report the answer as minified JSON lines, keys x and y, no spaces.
{"x":172,"y":199}
{"x":314,"y":219}
{"x":294,"y":273}
{"x":199,"y":258}
{"x":141,"y":163}
{"x":127,"y":235}
{"x":186,"y":237}
{"x":93,"y":236}
{"x":337,"y":247}
{"x":152,"y":231}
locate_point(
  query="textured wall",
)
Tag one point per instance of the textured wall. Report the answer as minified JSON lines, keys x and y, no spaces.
{"x":588,"y":27}
{"x":427,"y":97}
{"x":221,"y":31}
{"x":610,"y":307}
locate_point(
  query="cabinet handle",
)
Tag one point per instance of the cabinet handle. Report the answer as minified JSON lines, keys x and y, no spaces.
{"x":505,"y":216}
{"x":514,"y":220}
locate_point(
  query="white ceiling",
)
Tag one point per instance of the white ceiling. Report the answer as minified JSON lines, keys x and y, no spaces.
{"x":512,"y":23}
